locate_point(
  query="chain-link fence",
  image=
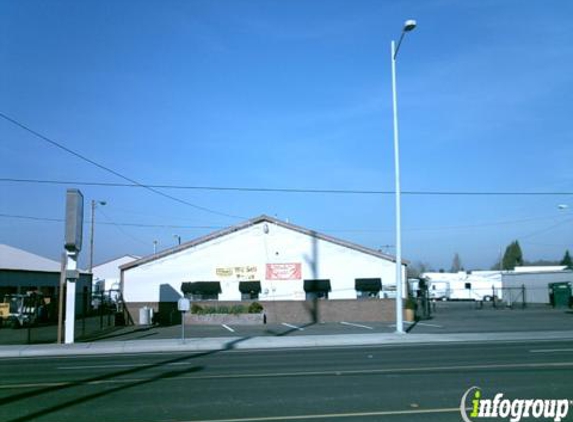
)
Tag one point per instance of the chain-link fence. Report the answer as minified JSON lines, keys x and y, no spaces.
{"x":496,"y":297}
{"x":32,"y":318}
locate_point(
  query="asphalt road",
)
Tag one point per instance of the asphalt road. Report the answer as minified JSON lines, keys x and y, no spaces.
{"x":398,"y":383}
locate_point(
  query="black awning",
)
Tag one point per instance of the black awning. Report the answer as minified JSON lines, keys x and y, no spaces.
{"x":201,"y":287}
{"x":368,"y":284}
{"x":250,"y":286}
{"x":317,"y":285}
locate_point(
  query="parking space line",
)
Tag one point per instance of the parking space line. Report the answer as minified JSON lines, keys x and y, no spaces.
{"x":227,"y":327}
{"x":292,"y":326}
{"x":551,"y":351}
{"x":356,"y":325}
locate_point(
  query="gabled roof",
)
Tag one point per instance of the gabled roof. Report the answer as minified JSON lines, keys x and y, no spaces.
{"x":119,"y":258}
{"x":250,"y":223}
{"x":16,"y":259}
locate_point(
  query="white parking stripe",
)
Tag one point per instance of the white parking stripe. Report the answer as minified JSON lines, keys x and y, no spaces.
{"x":292,"y":326}
{"x":228,"y":328}
{"x":356,"y":325}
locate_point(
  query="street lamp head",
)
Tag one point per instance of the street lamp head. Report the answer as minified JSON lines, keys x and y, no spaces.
{"x":409,"y":25}
{"x":102,"y":203}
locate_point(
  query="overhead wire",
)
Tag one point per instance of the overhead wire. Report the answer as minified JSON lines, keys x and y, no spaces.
{"x":140,"y":225}
{"x":284,"y":190}
{"x":111,"y":171}
{"x":120,"y":228}
{"x":363,"y":230}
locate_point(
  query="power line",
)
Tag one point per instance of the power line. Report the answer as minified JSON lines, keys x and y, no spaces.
{"x":281,"y":190}
{"x":109,"y":170}
{"x":111,"y":223}
{"x":121,"y":229}
{"x":173,"y":226}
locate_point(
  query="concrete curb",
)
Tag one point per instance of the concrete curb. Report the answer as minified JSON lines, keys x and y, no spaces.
{"x":267,"y":343}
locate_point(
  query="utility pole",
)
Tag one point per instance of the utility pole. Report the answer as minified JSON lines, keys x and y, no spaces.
{"x":94,"y":205}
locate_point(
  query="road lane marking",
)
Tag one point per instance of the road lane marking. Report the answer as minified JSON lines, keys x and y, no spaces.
{"x":112,"y":366}
{"x":550,"y":350}
{"x":340,"y":372}
{"x":228,"y":328}
{"x":109,"y":366}
{"x":294,"y":327}
{"x":356,"y":325}
{"x":329,"y":416}
{"x":426,"y":324}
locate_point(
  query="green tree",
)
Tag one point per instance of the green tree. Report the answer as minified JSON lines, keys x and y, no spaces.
{"x":416,"y":269}
{"x":513,"y":256}
{"x":567,"y":260}
{"x":456,"y":264}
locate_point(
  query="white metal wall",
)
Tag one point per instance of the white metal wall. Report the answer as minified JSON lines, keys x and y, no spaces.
{"x":254,"y":247}
{"x":108,"y":273}
{"x":536,"y":283}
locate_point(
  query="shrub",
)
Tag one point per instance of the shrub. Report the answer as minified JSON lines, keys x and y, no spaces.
{"x":255,"y":308}
{"x":196,"y":309}
{"x":411,"y":303}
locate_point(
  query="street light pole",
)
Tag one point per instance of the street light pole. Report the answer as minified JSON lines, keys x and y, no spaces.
{"x":94,"y":204}
{"x":408,"y":26}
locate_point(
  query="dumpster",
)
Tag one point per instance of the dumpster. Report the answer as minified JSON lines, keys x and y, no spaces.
{"x":560,"y":294}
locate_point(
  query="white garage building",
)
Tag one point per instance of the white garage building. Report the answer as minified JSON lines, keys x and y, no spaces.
{"x":261,"y":259}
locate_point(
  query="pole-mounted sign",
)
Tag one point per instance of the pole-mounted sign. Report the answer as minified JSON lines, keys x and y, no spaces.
{"x":73,"y":245}
{"x":184,"y":306}
{"x":74,"y":220}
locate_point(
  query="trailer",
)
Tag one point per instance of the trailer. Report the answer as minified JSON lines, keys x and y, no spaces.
{"x":479,"y":286}
{"x":438,"y":290}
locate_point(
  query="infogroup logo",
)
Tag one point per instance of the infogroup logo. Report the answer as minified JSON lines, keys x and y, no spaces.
{"x":514,"y":409}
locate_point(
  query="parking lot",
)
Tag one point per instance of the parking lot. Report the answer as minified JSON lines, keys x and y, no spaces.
{"x":448,"y":317}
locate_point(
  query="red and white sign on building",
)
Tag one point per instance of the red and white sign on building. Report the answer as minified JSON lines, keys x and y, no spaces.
{"x":291,"y":271}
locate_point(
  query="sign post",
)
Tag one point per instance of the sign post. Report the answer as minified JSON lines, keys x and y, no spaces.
{"x":184,"y":305}
{"x":62,"y":289}
{"x":73,"y":245}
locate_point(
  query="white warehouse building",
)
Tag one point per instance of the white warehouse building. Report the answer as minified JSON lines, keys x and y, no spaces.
{"x":262,"y":259}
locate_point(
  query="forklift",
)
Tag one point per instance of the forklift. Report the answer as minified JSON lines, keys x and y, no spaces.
{"x":23,"y":310}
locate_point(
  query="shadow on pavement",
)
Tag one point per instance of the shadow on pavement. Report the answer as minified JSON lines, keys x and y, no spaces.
{"x":121,"y":332}
{"x":127,"y":384}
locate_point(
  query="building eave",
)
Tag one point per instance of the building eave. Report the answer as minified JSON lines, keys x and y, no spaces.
{"x":249,"y":223}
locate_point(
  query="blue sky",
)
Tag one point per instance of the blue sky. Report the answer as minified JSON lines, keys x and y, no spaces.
{"x":291,"y":94}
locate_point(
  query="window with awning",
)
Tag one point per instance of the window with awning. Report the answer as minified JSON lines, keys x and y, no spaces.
{"x":317,"y":289}
{"x":368,"y":287}
{"x":250,"y":290}
{"x":202,"y":290}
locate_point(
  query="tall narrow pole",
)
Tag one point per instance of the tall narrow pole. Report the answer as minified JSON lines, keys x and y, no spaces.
{"x":61,"y":291}
{"x":90,"y":267}
{"x":399,"y":287}
{"x":71,"y":268}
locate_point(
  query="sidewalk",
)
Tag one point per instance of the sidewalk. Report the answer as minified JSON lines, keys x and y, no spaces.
{"x":266,"y":342}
